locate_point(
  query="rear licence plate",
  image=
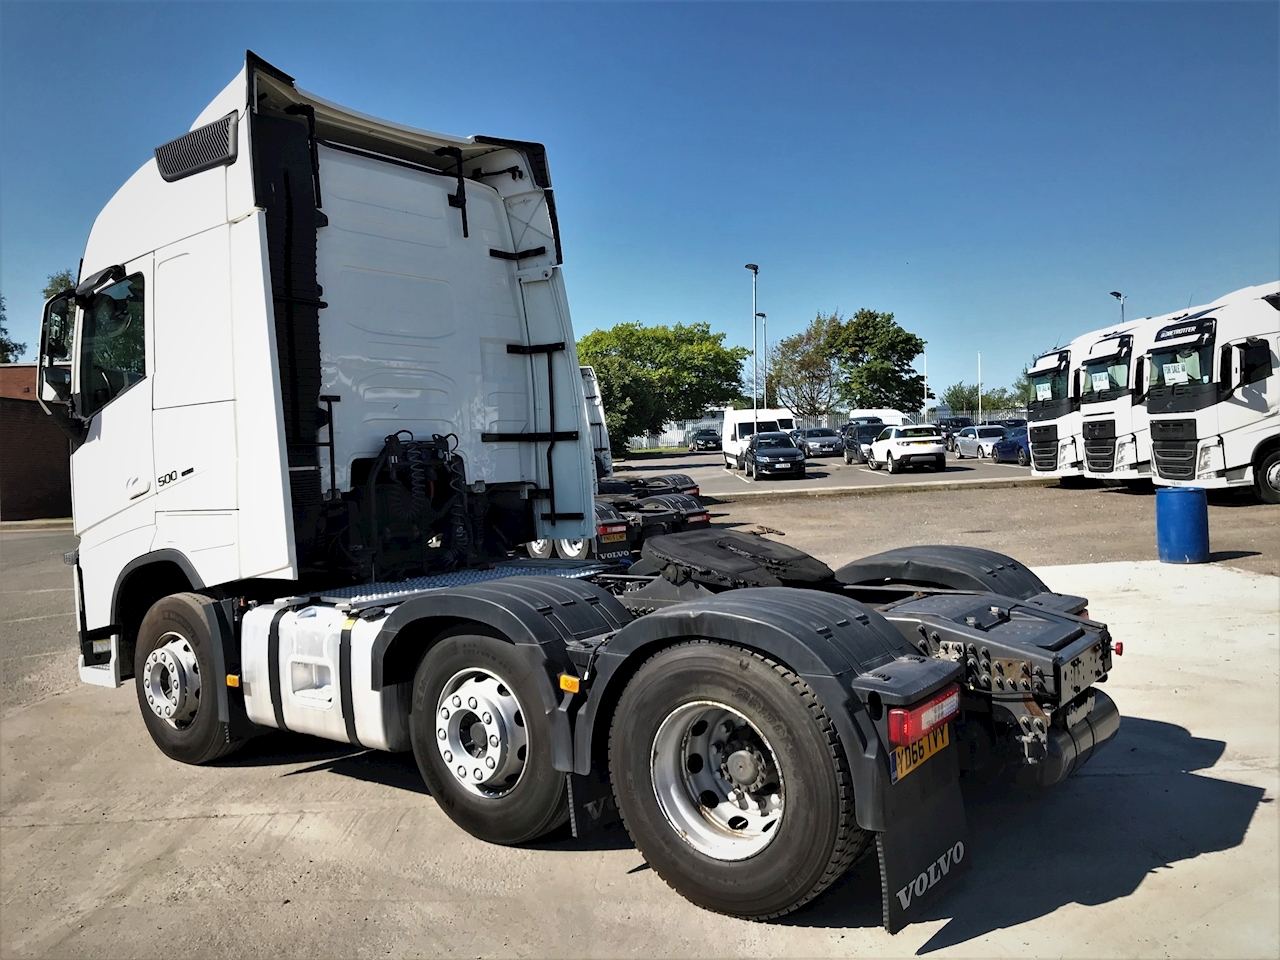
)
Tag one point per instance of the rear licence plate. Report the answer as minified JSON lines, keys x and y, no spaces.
{"x":612,"y":537}
{"x":904,"y":760}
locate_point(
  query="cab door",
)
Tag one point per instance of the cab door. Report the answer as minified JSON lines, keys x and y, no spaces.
{"x":112,"y":482}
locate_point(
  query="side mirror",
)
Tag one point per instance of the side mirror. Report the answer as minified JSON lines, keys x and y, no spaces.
{"x":53,"y":370}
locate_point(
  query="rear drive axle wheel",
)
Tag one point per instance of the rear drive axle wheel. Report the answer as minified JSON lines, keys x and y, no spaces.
{"x":482,"y":740}
{"x":731,"y":780}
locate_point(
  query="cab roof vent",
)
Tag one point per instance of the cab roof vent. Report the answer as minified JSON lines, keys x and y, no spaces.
{"x":204,"y":148}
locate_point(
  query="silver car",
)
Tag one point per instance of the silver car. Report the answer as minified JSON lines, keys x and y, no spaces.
{"x":977,"y":441}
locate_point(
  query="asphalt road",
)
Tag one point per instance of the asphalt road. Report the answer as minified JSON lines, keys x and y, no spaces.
{"x":1165,"y":845}
{"x":821,"y":473}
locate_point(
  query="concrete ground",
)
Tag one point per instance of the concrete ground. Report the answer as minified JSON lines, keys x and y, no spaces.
{"x":1165,"y":845}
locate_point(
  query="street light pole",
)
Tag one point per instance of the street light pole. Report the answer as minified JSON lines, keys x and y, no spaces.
{"x":979,"y":387}
{"x":764,"y":364}
{"x":755,"y":357}
{"x":1121,"y":297}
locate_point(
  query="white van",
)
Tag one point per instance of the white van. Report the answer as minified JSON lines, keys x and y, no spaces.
{"x":739,"y":425}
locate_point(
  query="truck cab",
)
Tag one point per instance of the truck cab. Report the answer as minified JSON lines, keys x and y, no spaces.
{"x":1054,"y":421}
{"x":1114,"y":432}
{"x":1213,"y":395}
{"x":311,"y":346}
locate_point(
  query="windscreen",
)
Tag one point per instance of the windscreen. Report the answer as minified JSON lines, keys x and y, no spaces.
{"x":820,"y":432}
{"x":774,"y":441}
{"x":1106,"y":373}
{"x":1050,"y":384}
{"x":1190,"y":363}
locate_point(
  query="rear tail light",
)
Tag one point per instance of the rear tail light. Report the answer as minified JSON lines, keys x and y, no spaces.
{"x":909,"y":724}
{"x":699,"y":518}
{"x":690,"y":491}
{"x":607,"y":528}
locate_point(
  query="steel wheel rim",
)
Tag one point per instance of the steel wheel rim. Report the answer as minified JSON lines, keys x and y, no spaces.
{"x":480,"y":733}
{"x":717,"y":780}
{"x":1272,"y":476}
{"x":171,"y":681}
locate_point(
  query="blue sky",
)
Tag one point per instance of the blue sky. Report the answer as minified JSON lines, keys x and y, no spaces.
{"x":988,"y":172}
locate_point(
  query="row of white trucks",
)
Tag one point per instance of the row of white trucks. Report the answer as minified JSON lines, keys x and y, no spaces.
{"x":1190,"y":398}
{"x":321,"y":384}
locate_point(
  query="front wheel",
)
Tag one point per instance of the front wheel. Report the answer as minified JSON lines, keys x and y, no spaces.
{"x":482,"y":740}
{"x":1022,"y":457}
{"x":731,"y":780}
{"x":176,"y":680}
{"x":1267,"y":478}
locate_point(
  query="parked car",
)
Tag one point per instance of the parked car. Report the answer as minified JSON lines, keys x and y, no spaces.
{"x":1014,"y":448}
{"x":774,"y":455}
{"x":820,"y":442}
{"x":861,"y":421}
{"x":857,"y":440}
{"x":910,"y":446}
{"x":950,"y":426}
{"x":977,"y":441}
{"x":704,"y":440}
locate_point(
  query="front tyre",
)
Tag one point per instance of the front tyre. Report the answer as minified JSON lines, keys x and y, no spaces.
{"x":1023,"y":460}
{"x":176,"y":680}
{"x":1267,"y":478}
{"x":483,"y":742}
{"x":731,"y":780}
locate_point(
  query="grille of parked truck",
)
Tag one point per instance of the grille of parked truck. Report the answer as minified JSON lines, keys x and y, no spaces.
{"x":321,"y":383}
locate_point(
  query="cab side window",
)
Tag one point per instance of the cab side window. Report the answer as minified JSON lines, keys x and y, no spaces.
{"x":113,"y":350}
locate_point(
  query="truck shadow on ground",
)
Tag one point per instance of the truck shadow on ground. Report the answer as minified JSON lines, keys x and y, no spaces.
{"x":1138,"y":807}
{"x":397,"y":770}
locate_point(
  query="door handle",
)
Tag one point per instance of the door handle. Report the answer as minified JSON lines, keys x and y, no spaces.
{"x":136,"y":487}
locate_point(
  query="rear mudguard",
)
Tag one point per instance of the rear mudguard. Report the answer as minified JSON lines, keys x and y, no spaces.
{"x":950,"y":567}
{"x":542,"y":616}
{"x":859,"y":665}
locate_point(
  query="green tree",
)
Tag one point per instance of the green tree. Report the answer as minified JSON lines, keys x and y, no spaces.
{"x":961,"y":396}
{"x":803,"y":371}
{"x":874,"y":354}
{"x":10,"y":349}
{"x":57,"y":282}
{"x":652,"y":375}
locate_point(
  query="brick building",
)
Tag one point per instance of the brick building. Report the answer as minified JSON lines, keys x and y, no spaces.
{"x":35,"y":464}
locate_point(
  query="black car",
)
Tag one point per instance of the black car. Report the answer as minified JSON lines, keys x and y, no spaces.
{"x":820,"y":442}
{"x":856,"y":435}
{"x":950,"y":426}
{"x":704,"y":440}
{"x":773,"y":455}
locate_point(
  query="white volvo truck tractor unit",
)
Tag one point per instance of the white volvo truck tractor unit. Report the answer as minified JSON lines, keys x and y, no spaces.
{"x":1053,"y":416}
{"x":1113,"y":423}
{"x":1213,"y":395}
{"x":321,"y":382}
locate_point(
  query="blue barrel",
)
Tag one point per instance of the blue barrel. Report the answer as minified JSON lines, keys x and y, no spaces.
{"x":1182,"y":525}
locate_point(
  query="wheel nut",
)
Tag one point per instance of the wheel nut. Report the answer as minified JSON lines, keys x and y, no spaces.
{"x":441,"y":733}
{"x":462,"y":771}
{"x":487,"y":717}
{"x":448,"y":756}
{"x":489,"y":763}
{"x":457,"y":701}
{"x":472,"y":703}
{"x":479,"y":775}
{"x":493,"y":741}
{"x":444,"y":713}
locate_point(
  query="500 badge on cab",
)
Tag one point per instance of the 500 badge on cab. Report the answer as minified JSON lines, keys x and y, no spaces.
{"x":166,"y":478}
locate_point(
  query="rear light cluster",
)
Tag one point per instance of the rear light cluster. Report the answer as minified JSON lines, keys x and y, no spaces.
{"x":607,"y":528}
{"x":909,"y":724}
{"x":699,"y":517}
{"x":691,"y":491}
